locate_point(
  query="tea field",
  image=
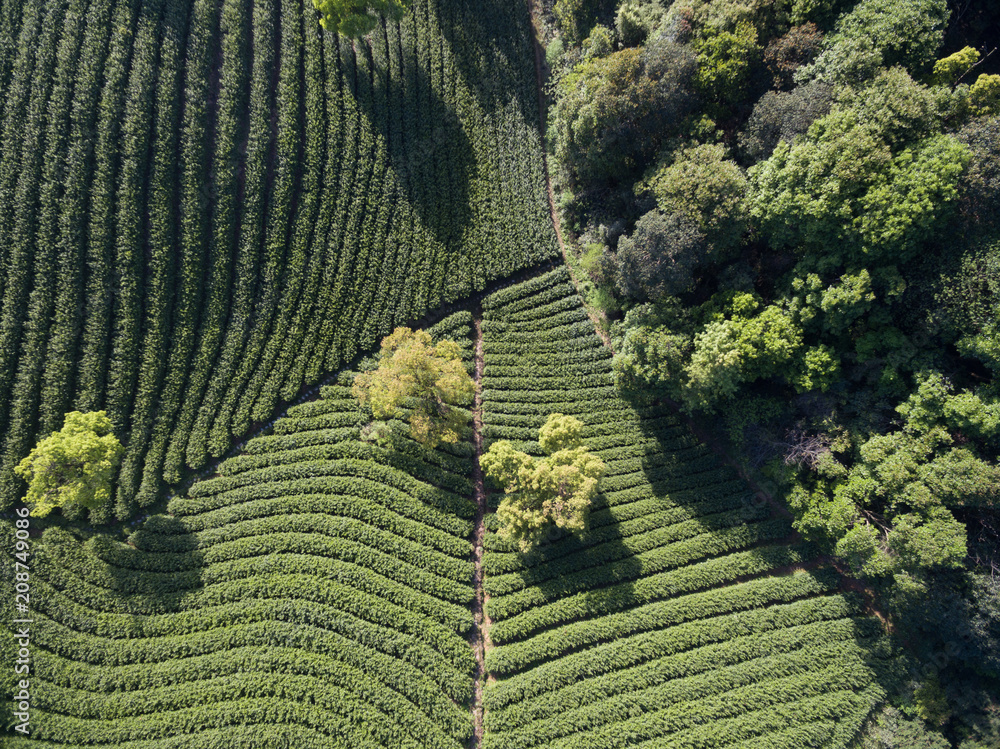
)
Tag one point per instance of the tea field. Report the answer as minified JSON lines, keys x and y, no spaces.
{"x":212,"y":209}
{"x":207,"y":204}
{"x":316,"y":592}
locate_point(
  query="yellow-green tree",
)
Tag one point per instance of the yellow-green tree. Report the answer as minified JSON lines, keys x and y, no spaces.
{"x":357,"y":17}
{"x":73,"y":467}
{"x":429,"y":379}
{"x":555,"y":490}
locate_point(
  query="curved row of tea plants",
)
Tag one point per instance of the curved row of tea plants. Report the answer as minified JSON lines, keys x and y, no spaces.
{"x":670,"y":622}
{"x":317,"y":583}
{"x":206,"y":205}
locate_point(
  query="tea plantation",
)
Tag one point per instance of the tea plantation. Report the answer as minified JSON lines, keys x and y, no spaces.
{"x":211,"y":213}
{"x":315,"y":592}
{"x":682,"y":618}
{"x":206,"y":204}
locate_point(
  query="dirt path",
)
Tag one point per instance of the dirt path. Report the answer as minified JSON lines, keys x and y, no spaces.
{"x":480,"y":630}
{"x":541,"y":75}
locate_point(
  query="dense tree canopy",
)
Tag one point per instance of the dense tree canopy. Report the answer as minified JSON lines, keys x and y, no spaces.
{"x":881,"y":33}
{"x":613,"y":111}
{"x":703,"y":184}
{"x":660,"y":256}
{"x":844,"y":194}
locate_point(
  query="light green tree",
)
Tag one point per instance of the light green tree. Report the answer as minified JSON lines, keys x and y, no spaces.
{"x":555,"y":490}
{"x":949,"y":69}
{"x":354,"y":18}
{"x":728,"y":353}
{"x":881,"y":33}
{"x":429,"y":378}
{"x":985,"y":94}
{"x":73,"y":467}
{"x":725,"y":61}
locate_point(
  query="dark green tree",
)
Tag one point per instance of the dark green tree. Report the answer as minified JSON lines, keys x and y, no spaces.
{"x":613,"y":111}
{"x":879,"y":34}
{"x":660,"y":257}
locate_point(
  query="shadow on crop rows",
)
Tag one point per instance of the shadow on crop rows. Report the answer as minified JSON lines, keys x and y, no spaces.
{"x":428,"y":147}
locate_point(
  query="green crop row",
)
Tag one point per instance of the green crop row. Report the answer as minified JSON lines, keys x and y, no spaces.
{"x":642,"y":610}
{"x":33,"y":217}
{"x":641,"y":568}
{"x":385,"y":478}
{"x":326,"y":707}
{"x":248,"y":735}
{"x":452,"y":480}
{"x":704,"y":657}
{"x":649,"y":697}
{"x":341,"y":506}
{"x":105,"y":643}
{"x":621,"y":544}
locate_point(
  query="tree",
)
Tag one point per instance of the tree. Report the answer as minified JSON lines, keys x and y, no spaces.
{"x":985,"y":94}
{"x":576,"y":17}
{"x":539,"y":493}
{"x":980,"y":184}
{"x":786,"y":54}
{"x":844,"y":195}
{"x":728,"y":353}
{"x":74,"y":467}
{"x":430,"y":379}
{"x":613,"y":111}
{"x":704,"y":185}
{"x":725,"y":61}
{"x":779,"y":116}
{"x":651,"y":359}
{"x":948,"y":70}
{"x":353,"y":18}
{"x":636,"y":20}
{"x":660,"y":257}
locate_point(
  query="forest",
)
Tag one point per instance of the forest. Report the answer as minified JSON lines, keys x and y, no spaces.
{"x":500,"y":374}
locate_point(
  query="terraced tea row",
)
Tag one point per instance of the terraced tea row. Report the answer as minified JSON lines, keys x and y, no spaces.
{"x":673,"y":621}
{"x":205,"y":205}
{"x":318,"y":585}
